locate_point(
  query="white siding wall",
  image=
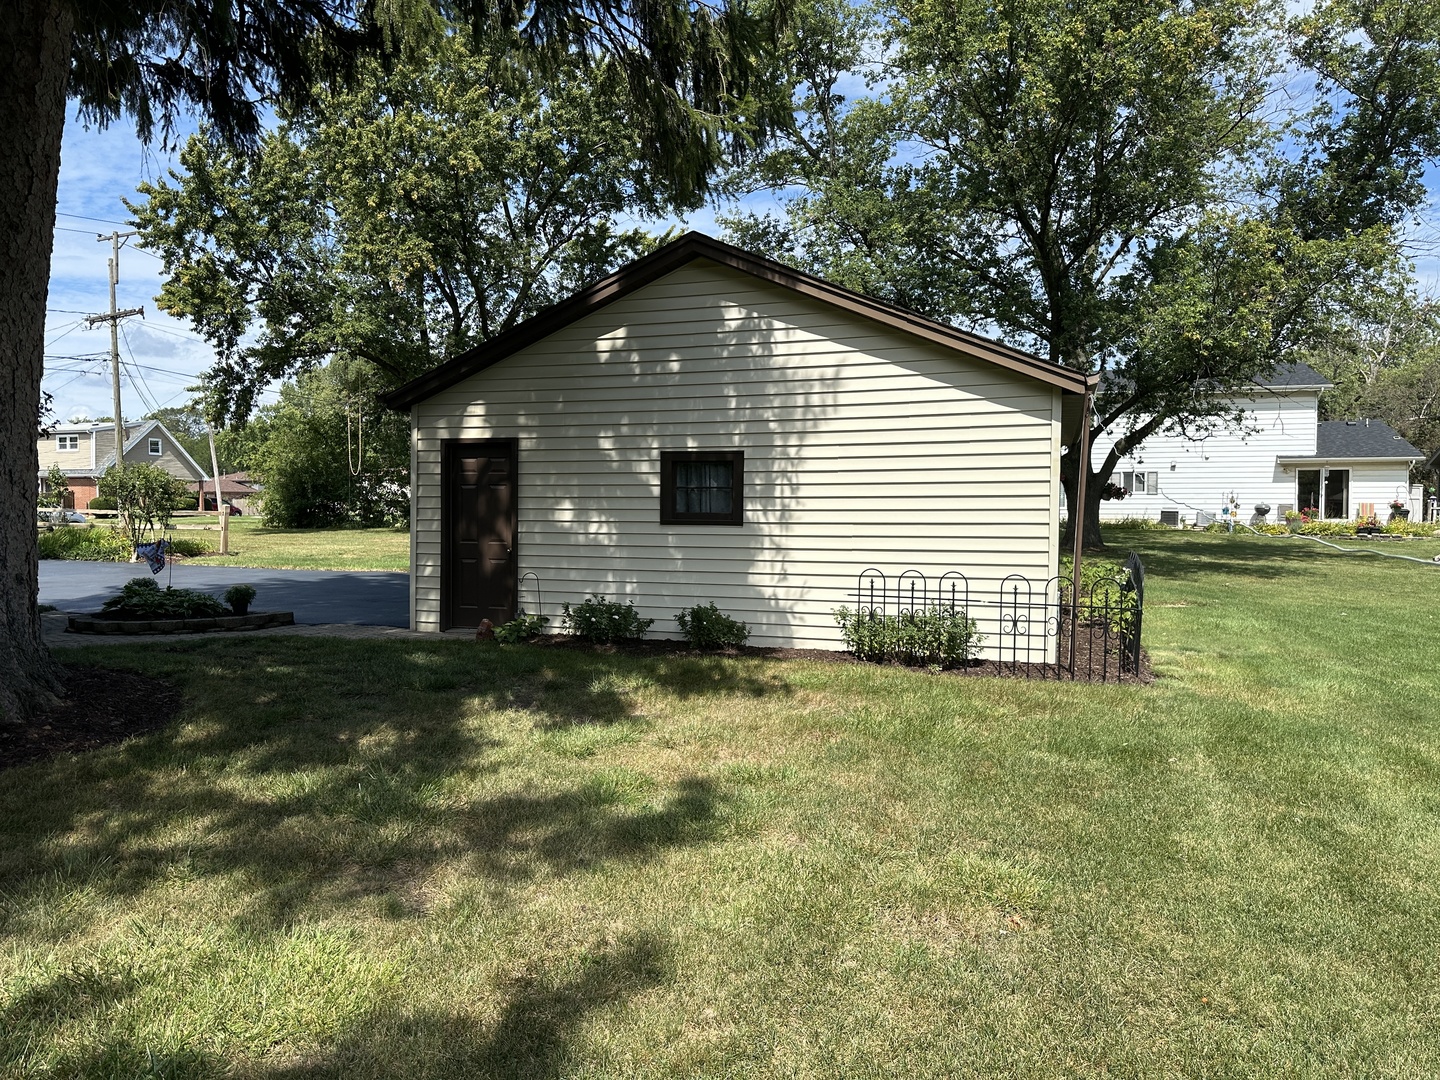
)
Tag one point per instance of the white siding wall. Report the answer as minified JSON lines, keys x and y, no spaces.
{"x":1199,"y":474}
{"x":1247,"y":463}
{"x":863,"y":447}
{"x":1377,"y":482}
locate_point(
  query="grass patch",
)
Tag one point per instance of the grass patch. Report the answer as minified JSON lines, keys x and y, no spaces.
{"x":441,"y":859}
{"x":255,"y":544}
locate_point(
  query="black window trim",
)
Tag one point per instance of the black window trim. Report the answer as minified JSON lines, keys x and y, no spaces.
{"x":670,"y":516}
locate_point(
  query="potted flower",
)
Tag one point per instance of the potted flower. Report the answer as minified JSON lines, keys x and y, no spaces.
{"x":1293,"y":520}
{"x":239,"y":597}
{"x":1399,"y":510}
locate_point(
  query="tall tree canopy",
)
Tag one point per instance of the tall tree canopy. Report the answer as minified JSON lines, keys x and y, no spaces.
{"x":1115,"y":184}
{"x":687,"y":68}
{"x":404,"y":219}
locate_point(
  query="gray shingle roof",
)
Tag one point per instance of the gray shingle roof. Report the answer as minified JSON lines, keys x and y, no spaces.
{"x":1362,"y":439}
{"x":1286,"y":376}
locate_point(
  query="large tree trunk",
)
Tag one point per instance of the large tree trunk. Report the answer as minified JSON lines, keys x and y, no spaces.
{"x":1069,"y":482}
{"x":34,"y":66}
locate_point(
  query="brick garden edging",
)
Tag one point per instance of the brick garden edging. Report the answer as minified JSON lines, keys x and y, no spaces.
{"x":88,"y":624}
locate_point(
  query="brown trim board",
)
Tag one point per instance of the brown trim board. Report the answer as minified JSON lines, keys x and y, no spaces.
{"x":696,"y":245}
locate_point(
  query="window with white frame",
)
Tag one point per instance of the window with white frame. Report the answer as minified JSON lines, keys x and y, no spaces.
{"x":154,"y":447}
{"x":1141,"y":483}
{"x":67,"y":442}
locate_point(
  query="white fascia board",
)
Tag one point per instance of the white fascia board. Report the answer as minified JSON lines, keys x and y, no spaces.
{"x":1341,"y":460}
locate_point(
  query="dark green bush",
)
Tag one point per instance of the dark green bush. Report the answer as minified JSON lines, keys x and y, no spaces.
{"x":940,"y":637}
{"x":605,"y":621}
{"x":141,"y":598}
{"x":99,"y":544}
{"x":706,"y":627}
{"x":188,"y":502}
{"x":521,"y":628}
{"x":191,"y":549}
{"x":100,"y":502}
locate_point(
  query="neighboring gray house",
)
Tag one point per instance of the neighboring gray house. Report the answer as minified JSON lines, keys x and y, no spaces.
{"x":709,"y":425}
{"x":85,"y":451}
{"x":1284,"y":457}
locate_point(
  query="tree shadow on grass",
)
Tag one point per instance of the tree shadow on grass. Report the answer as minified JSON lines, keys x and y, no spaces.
{"x":1190,"y":555}
{"x":532,"y":1038}
{"x":540,"y":1013}
{"x":327,"y":774}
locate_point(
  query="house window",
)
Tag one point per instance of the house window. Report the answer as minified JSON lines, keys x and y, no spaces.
{"x":67,"y":442}
{"x":702,"y":487}
{"x":154,"y":447}
{"x":1140,"y":483}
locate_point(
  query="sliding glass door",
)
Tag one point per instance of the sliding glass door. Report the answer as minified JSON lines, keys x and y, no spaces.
{"x":1326,"y":490}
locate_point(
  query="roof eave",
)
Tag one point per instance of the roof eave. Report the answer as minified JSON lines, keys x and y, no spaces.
{"x":694,"y":246}
{"x":1318,"y":459}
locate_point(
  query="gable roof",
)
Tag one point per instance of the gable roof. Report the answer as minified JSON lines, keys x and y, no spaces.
{"x":696,"y":245}
{"x":1294,"y":376}
{"x":141,"y":430}
{"x":1373,"y":439}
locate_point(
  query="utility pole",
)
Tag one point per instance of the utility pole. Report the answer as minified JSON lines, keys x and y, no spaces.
{"x":113,"y":318}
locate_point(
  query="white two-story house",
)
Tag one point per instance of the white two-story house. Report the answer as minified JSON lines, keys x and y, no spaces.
{"x":1283,"y":457}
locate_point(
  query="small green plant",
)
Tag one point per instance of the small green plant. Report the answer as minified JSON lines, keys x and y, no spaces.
{"x":932,"y":637}
{"x":605,"y":621}
{"x":521,"y":628}
{"x":707,"y":627}
{"x":239,"y":597}
{"x":57,"y":489}
{"x":141,"y":598}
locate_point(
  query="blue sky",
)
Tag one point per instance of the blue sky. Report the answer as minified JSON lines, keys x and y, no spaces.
{"x":162,"y":356}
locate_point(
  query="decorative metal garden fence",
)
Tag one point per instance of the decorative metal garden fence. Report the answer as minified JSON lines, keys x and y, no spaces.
{"x":1036,"y":629}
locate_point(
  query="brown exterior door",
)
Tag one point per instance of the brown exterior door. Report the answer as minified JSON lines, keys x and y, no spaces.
{"x":478,"y":559}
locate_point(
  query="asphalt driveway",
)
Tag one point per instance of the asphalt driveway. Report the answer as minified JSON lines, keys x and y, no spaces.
{"x":364,"y":597}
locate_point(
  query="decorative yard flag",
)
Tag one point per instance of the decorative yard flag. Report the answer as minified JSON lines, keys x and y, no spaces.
{"x":154,"y":554}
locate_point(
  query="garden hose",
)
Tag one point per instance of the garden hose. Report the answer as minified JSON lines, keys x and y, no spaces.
{"x":1349,"y":551}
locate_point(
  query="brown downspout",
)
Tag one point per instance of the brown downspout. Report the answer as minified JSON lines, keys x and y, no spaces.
{"x":1077,"y":523}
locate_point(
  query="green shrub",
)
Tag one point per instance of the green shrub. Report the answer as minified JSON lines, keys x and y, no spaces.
{"x":147,"y":496}
{"x":521,"y":628}
{"x":141,"y":598}
{"x":934,"y":637}
{"x":1143,"y":523}
{"x":97,"y":544}
{"x":706,"y":627}
{"x":605,"y":621}
{"x":189,"y":502}
{"x":1095,"y":572}
{"x":100,"y":502}
{"x":191,"y":549}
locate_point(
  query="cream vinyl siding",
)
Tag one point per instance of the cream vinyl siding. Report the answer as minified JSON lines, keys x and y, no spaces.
{"x":863,"y":447}
{"x":68,"y":460}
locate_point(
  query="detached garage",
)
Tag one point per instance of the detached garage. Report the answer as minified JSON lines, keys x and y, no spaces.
{"x":709,"y":425}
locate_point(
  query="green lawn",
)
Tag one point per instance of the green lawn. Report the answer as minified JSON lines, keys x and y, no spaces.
{"x":402,"y":859}
{"x":253,"y":543}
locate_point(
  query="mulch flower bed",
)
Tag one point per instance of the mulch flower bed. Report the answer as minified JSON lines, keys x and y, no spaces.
{"x":1097,"y":664}
{"x":102,"y":706}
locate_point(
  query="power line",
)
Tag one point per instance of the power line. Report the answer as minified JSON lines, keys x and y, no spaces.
{"x":73,"y":327}
{"x":83,"y":217}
